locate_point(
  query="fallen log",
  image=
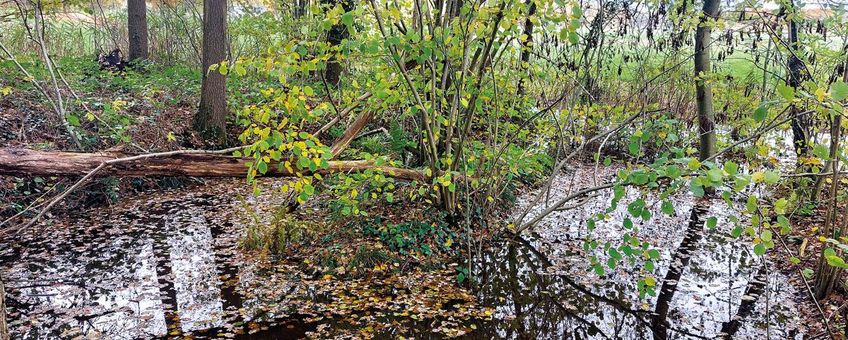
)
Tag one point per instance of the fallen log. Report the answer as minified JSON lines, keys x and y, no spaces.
{"x":195,"y":163}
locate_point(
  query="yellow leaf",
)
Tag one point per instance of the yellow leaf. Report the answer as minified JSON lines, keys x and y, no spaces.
{"x":650,"y":281}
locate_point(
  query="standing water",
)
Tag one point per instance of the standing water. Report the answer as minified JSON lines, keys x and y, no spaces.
{"x":168,"y":265}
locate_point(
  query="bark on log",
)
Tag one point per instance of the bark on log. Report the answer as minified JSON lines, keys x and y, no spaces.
{"x":26,"y":162}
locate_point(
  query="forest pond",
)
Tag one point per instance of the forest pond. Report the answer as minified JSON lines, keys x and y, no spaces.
{"x":169,"y":265}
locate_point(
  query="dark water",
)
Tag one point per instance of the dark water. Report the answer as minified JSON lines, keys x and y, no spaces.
{"x":168,"y":266}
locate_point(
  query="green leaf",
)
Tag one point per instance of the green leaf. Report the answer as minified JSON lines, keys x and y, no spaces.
{"x":784,"y":224}
{"x":73,"y":120}
{"x":780,"y":206}
{"x":836,"y":261}
{"x":573,"y":39}
{"x":694,"y":164}
{"x":760,"y":113}
{"x":786,"y":91}
{"x":673,"y":172}
{"x":794,"y":260}
{"x":633,"y":147}
{"x":807,"y":272}
{"x":714,"y":175}
{"x":308,"y":189}
{"x":760,"y":249}
{"x":696,"y":189}
{"x":751,"y":204}
{"x":736,"y":232}
{"x":712,"y":222}
{"x":839,"y":91}
{"x":347,"y":19}
{"x":599,"y":270}
{"x":731,"y":168}
{"x":654,"y":254}
{"x":766,"y":236}
{"x":607,"y":161}
{"x":667,"y":208}
{"x":628,"y":223}
{"x":576,"y":11}
{"x":771,"y":177}
{"x":262,"y":167}
{"x":239,"y":70}
{"x":821,"y":151}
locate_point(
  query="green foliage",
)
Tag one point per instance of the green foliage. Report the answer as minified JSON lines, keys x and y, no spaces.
{"x":421,"y":237}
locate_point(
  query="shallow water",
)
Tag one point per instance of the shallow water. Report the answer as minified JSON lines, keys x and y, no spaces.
{"x":168,"y":265}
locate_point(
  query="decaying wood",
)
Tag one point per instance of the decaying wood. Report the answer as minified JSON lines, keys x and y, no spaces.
{"x":196,"y":163}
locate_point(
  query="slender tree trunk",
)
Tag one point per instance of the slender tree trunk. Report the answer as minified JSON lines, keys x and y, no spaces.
{"x":211,"y":118}
{"x":827,"y":275}
{"x":526,"y":46}
{"x":800,"y":124}
{"x":299,"y":8}
{"x":703,"y":92}
{"x":335,"y":36}
{"x":137,"y":28}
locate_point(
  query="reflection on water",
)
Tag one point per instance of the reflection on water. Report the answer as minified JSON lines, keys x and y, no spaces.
{"x":713,"y":274}
{"x":169,"y":266}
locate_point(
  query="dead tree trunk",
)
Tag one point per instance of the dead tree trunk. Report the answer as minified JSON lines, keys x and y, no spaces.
{"x":137,"y":29}
{"x":211,"y":118}
{"x":703,"y":92}
{"x":25,"y":162}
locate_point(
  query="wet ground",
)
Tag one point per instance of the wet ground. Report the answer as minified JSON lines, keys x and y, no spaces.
{"x":168,"y":265}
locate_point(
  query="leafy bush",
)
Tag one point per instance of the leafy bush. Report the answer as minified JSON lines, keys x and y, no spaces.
{"x":424,"y":237}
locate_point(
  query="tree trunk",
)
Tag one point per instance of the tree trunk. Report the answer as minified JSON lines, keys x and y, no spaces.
{"x":211,"y":119}
{"x":800,"y":124}
{"x":137,"y":28}
{"x":335,"y":36}
{"x":25,"y":162}
{"x":526,"y":46}
{"x":826,"y":275}
{"x":703,"y":92}
{"x":299,"y":8}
